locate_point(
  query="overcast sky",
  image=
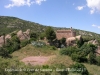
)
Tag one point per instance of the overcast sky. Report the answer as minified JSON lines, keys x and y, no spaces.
{"x":79,"y":14}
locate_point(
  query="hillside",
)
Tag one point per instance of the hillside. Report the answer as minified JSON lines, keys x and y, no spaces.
{"x":43,"y":56}
{"x":9,"y":24}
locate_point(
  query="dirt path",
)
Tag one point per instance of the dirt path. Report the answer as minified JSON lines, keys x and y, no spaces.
{"x":36,"y":60}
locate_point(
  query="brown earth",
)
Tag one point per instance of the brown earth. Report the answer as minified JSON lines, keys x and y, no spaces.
{"x":37,"y":60}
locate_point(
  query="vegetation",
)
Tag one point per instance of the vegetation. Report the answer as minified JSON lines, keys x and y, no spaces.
{"x":50,"y":34}
{"x":79,"y":68}
{"x":83,"y":53}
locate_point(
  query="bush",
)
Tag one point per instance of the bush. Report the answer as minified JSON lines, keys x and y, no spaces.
{"x":79,"y":68}
{"x":15,"y":39}
{"x":53,"y":48}
{"x":98,"y":60}
{"x":32,"y":39}
{"x":87,"y":48}
{"x":92,"y":58}
{"x":24,"y":43}
{"x":78,"y":57}
{"x":68,"y":51}
{"x":4,"y":53}
{"x":38,"y":43}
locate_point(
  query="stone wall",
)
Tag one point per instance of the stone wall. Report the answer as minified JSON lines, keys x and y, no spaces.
{"x":65,"y":34}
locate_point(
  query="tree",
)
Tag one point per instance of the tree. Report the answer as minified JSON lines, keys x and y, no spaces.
{"x":50,"y":34}
{"x":79,"y":68}
{"x":42,"y":35}
{"x":13,"y":34}
{"x":79,"y":42}
{"x":24,"y":43}
{"x":92,"y":58}
{"x":15,"y":39}
{"x":33,"y":35}
{"x":3,"y":52}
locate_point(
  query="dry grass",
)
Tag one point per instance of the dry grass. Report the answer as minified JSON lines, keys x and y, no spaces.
{"x":93,"y":69}
{"x":30,"y":50}
{"x":61,"y":59}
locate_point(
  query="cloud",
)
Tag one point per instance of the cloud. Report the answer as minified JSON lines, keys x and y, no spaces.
{"x":39,"y":1}
{"x":80,"y":7}
{"x":94,"y":5}
{"x":19,"y":3}
{"x":96,"y":26}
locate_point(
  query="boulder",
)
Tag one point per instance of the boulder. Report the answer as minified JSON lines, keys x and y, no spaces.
{"x":23,"y":35}
{"x":72,"y":40}
{"x":95,"y":42}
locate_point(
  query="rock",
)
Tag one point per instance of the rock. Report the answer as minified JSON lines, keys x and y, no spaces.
{"x":23,"y":35}
{"x":1,"y":40}
{"x":95,"y":42}
{"x":72,"y":40}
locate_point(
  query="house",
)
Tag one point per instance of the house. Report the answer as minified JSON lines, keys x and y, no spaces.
{"x":70,"y":36}
{"x":65,"y":33}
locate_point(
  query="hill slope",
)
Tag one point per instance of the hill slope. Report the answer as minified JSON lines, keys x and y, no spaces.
{"x":9,"y":24}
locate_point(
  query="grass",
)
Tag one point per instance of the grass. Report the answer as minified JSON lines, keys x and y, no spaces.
{"x":93,"y":69}
{"x":61,"y":59}
{"x":30,"y":50}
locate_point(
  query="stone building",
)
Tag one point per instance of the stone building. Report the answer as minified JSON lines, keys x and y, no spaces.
{"x":65,"y":33}
{"x":70,"y":36}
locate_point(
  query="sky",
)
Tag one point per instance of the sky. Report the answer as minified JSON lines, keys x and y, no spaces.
{"x":79,"y":14}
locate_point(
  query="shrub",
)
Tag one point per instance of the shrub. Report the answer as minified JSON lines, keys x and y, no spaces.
{"x":24,"y":43}
{"x":38,"y":43}
{"x":92,"y":58}
{"x":53,"y":48}
{"x":79,"y":68}
{"x":3,"y":52}
{"x":68,"y":51}
{"x":78,"y":57}
{"x":98,"y":60}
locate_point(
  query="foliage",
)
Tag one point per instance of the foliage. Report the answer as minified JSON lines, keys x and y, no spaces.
{"x":33,"y":35}
{"x":15,"y":39}
{"x":59,"y":66}
{"x":53,"y":48}
{"x":78,"y":57}
{"x":42,"y":35}
{"x":79,"y":68}
{"x":3,"y":52}
{"x":38,"y":43}
{"x":98,"y":60}
{"x":87,"y":48}
{"x":68,"y":50}
{"x":13,"y":34}
{"x":15,"y":46}
{"x":92,"y":58}
{"x":50,"y":34}
{"x":24,"y":43}
{"x":79,"y":54}
{"x":79,"y":42}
